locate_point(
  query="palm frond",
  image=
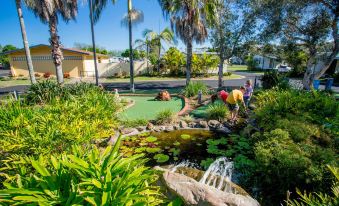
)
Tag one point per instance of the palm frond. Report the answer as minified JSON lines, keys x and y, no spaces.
{"x":136,"y":17}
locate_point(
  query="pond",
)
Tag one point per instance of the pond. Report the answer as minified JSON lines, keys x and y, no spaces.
{"x":146,"y":107}
{"x":200,"y":147}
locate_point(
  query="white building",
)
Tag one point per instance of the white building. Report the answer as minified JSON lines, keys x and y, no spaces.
{"x":266,"y":62}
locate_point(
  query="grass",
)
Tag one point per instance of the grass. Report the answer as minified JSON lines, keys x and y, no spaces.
{"x":202,"y":112}
{"x":242,"y":68}
{"x":143,"y":78}
{"x":16,"y":82}
{"x":148,"y":108}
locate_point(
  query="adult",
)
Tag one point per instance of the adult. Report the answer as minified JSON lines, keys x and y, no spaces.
{"x":232,"y":101}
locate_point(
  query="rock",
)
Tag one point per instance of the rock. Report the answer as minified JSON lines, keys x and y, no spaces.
{"x":203,"y":124}
{"x":224,"y":130}
{"x":183,"y":124}
{"x":252,"y":107}
{"x":195,"y":193}
{"x":141,"y":128}
{"x":157,"y":128}
{"x":176,"y":127}
{"x":192,"y":124}
{"x":114,"y":138}
{"x":149,"y":126}
{"x":214,"y":124}
{"x":169,"y":129}
{"x":125,"y":131}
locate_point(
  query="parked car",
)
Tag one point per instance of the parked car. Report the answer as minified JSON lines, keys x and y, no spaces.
{"x":283,"y":68}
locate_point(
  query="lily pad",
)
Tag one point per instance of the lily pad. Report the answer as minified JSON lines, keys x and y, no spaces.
{"x":140,"y":150}
{"x":176,"y":143}
{"x":153,"y":150}
{"x":151,"y":139}
{"x":175,"y":151}
{"x":175,"y":158}
{"x":161,"y":158}
{"x":185,"y":136}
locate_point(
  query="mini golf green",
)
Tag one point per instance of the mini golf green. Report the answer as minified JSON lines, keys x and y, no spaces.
{"x":201,"y":112}
{"x":146,"y":107}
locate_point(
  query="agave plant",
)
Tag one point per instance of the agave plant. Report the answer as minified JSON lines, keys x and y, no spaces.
{"x":83,"y":178}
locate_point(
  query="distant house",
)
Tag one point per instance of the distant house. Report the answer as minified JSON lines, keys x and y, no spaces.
{"x":266,"y":62}
{"x":77,"y":63}
{"x":320,"y":63}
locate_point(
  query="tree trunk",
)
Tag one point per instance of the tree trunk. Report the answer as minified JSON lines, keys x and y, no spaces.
{"x":221,"y":72}
{"x":93,"y":44}
{"x":189,"y":61}
{"x":56,"y":48}
{"x":131,"y":67}
{"x":147,"y":58}
{"x":159,"y":52}
{"x":25,"y":41}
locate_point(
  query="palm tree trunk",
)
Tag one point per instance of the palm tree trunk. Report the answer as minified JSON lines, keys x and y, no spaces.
{"x":147,"y":58}
{"x":159,"y":52}
{"x":93,"y":44}
{"x":25,"y":41}
{"x":56,"y":48}
{"x":131,"y":67}
{"x":189,"y":61}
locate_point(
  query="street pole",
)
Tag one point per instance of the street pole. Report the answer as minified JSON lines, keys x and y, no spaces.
{"x":93,"y":44}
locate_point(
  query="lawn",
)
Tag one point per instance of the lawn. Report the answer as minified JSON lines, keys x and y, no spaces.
{"x":147,"y":107}
{"x":16,"y":82}
{"x":146,"y":79}
{"x":242,"y":68}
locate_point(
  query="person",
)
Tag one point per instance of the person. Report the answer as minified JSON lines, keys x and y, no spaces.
{"x":248,"y":92}
{"x":222,"y":95}
{"x":232,"y":102}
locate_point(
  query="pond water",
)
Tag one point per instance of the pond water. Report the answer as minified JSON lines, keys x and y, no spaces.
{"x":200,"y":147}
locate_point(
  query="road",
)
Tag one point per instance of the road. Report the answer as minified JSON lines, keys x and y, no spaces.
{"x":155,"y":84}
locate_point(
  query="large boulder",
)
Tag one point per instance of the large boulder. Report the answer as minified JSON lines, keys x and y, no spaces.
{"x":203,"y":124}
{"x":183,"y":124}
{"x":195,"y":193}
{"x":214,"y":124}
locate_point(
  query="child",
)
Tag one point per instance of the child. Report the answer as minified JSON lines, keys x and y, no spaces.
{"x":248,"y":92}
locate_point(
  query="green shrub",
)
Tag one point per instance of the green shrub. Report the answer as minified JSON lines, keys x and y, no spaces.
{"x":193,"y":88}
{"x":217,"y":111}
{"x":81,"y":178}
{"x":135,"y":123}
{"x":165,"y":116}
{"x":226,"y":74}
{"x":55,"y":127}
{"x":273,"y":79}
{"x":299,"y":131}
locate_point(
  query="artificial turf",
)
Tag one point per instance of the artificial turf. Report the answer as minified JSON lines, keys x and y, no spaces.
{"x":148,"y":108}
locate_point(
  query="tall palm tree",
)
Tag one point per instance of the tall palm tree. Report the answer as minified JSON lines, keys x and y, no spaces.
{"x":93,"y":43}
{"x":25,"y":41}
{"x":189,"y":21}
{"x":48,"y":12}
{"x":132,"y":17}
{"x":140,"y":43}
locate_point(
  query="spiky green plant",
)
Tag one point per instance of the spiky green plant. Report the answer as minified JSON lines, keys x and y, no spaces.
{"x":319,"y":199}
{"x":84,"y":177}
{"x":165,"y":116}
{"x":217,"y":111}
{"x":193,"y":88}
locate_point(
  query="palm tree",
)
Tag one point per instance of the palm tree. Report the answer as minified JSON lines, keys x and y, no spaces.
{"x":188,"y":20}
{"x":132,"y":17}
{"x":153,"y":38}
{"x":25,"y":41}
{"x":48,"y":12}
{"x":140,"y":43}
{"x":166,"y":35}
{"x":93,"y":43}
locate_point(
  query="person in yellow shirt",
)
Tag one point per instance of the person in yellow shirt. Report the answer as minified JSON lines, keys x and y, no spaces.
{"x":232,"y":101}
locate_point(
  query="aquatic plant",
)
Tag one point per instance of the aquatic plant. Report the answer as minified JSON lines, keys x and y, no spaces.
{"x":151,"y":139}
{"x":185,"y":136}
{"x":161,"y":158}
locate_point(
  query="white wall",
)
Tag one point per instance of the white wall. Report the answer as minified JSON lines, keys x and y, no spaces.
{"x":110,"y":69}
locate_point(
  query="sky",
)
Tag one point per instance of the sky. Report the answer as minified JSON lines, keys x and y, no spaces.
{"x":109,"y":32}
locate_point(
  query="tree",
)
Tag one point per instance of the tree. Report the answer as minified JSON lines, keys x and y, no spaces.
{"x":173,"y":61}
{"x":147,"y":43}
{"x":4,"y":60}
{"x":189,"y":21}
{"x":136,"y":54}
{"x":25,"y":42}
{"x":166,"y":36}
{"x":48,"y":12}
{"x":132,"y":17}
{"x":309,"y":23}
{"x":230,"y":30}
{"x":93,"y":43}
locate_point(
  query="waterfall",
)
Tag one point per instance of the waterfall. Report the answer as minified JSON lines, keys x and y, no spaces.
{"x":185,"y":163}
{"x":218,"y":174}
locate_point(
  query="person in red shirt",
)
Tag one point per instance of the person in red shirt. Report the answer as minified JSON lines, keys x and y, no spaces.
{"x":222,"y":95}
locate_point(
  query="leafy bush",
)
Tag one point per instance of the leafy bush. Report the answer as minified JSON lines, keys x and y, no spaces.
{"x":274,"y":79}
{"x":251,"y":63}
{"x":81,"y":178}
{"x":298,"y":130}
{"x":217,"y":111}
{"x":165,"y":116}
{"x":134,"y":123}
{"x":173,"y":61}
{"x":50,"y":91}
{"x":192,"y":89}
{"x":226,"y":74}
{"x":55,"y":127}
{"x":319,"y":198}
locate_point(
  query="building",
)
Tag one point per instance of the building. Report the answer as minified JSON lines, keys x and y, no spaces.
{"x":78,"y":63}
{"x":265,"y":62}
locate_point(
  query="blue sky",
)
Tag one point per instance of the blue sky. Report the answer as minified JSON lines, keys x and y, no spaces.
{"x":109,"y":33}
